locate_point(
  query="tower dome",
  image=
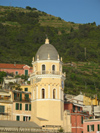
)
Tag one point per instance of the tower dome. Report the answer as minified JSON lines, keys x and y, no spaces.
{"x":47,"y":51}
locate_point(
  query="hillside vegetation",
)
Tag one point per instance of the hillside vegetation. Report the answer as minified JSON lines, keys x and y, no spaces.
{"x":23,"y":31}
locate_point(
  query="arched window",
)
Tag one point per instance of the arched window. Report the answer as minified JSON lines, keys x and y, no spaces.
{"x":43,"y":93}
{"x":53,"y":69}
{"x":43,"y":69}
{"x":54,"y":93}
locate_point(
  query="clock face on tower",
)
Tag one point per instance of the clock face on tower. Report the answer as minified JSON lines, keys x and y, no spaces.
{"x":62,"y":84}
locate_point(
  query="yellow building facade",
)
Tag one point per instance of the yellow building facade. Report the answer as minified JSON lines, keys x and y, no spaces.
{"x":90,"y":101}
{"x":6,"y":105}
{"x":47,"y":86}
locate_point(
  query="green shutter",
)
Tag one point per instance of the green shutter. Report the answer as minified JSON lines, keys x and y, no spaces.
{"x":98,"y":127}
{"x":26,"y":106}
{"x":2,"y":109}
{"x":82,"y":119}
{"x":88,"y":128}
{"x":17,"y":104}
{"x":20,"y":106}
{"x":26,"y":72}
{"x":29,"y":107}
{"x":15,"y":96}
{"x":20,"y":96}
{"x":73,"y":108}
{"x":26,"y":97}
{"x":23,"y":118}
{"x":29,"y":118}
{"x":18,"y":118}
{"x":93,"y":127}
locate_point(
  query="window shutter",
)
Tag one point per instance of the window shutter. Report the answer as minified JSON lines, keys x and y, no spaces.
{"x":20,"y":106}
{"x":88,"y":128}
{"x":26,"y":97}
{"x":16,"y":106}
{"x":29,"y":117}
{"x":98,"y":127}
{"x":82,"y":119}
{"x":78,"y":108}
{"x":26,"y":72}
{"x":17,"y":118}
{"x":26,"y":89}
{"x":23,"y":118}
{"x":20,"y":96}
{"x":2,"y":109}
{"x":93,"y":127}
{"x":29,"y":107}
{"x":26,"y":106}
{"x":15,"y":96}
{"x":73,"y":108}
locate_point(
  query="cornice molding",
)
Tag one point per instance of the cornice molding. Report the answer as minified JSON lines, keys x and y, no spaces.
{"x":42,"y":61}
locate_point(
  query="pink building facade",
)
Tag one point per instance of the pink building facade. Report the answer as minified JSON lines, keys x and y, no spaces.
{"x":91,"y":126}
{"x":16,"y":69}
{"x":77,"y":116}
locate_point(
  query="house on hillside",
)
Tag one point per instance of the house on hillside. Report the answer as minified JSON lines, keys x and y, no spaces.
{"x":75,"y":105}
{"x":16,"y":69}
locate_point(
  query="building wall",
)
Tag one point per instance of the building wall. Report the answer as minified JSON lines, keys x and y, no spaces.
{"x":37,"y":66}
{"x":7,"y":112}
{"x":26,"y":86}
{"x":67,"y":121}
{"x":76,"y":117}
{"x":89,"y":123}
{"x":21,"y":112}
{"x":51,"y":108}
{"x":20,"y":71}
{"x":89,"y":101}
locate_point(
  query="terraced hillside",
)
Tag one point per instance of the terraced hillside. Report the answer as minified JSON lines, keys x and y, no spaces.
{"x":23,"y":31}
{"x":82,"y":77}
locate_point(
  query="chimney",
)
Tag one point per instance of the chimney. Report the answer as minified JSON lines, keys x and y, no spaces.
{"x":14,"y":63}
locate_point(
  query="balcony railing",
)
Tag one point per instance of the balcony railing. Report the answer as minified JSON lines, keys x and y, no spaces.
{"x":49,"y":72}
{"x":3,"y":113}
{"x":81,"y":111}
{"x":22,"y":100}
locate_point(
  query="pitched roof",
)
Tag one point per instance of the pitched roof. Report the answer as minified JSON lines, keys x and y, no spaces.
{"x":14,"y":66}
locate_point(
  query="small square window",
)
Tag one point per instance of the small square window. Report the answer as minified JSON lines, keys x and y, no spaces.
{"x":16,"y":73}
{"x":26,"y":89}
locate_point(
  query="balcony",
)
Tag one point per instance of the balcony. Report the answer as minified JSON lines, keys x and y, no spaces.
{"x":5,"y":99}
{"x":18,"y":99}
{"x":48,"y":72}
{"x":3,"y":113}
{"x":80,"y":112}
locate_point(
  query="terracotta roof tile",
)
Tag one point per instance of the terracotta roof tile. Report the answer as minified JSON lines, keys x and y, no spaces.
{"x":18,"y":66}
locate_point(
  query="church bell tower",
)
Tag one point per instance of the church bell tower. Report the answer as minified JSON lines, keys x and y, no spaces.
{"x":47,"y":85}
